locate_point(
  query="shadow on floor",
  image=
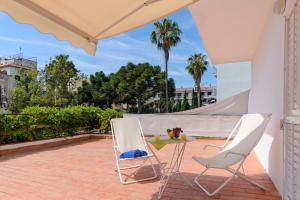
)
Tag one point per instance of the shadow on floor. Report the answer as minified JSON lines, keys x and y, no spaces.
{"x":236,"y":189}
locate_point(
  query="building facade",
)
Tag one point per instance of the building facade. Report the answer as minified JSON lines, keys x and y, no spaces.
{"x":208,"y":94}
{"x":9,"y":68}
{"x":4,"y":89}
{"x":11,"y":65}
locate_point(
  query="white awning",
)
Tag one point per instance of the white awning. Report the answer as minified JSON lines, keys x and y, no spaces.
{"x":231,"y":29}
{"x":84,"y":22}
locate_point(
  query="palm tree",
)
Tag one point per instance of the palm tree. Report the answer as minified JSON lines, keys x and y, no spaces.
{"x":197,"y":65}
{"x":165,"y":35}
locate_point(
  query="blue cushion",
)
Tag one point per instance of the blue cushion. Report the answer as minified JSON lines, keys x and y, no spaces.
{"x":133,"y":154}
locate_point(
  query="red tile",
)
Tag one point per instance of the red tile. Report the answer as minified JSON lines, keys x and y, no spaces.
{"x":85,"y":171}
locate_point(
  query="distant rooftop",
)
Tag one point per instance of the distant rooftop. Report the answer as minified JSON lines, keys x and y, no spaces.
{"x":203,"y":88}
{"x":18,"y":61}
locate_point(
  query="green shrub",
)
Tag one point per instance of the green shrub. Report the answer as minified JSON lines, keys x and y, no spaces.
{"x":7,"y":122}
{"x":106,"y":116}
{"x":35,"y":123}
{"x":36,"y":115}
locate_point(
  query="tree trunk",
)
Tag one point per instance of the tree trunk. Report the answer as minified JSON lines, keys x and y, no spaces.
{"x":199,"y":92}
{"x":107,"y":102}
{"x":139,"y":107}
{"x":166,"y":79}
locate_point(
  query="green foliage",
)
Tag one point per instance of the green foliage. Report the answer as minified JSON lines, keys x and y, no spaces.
{"x":194,"y":100}
{"x":35,"y":123}
{"x":106,"y":116}
{"x":28,"y":90}
{"x":136,"y":83}
{"x":132,"y":85}
{"x":178,"y":106}
{"x":58,"y":73}
{"x":197,"y":65}
{"x":185,"y":103}
{"x":97,"y":91}
{"x":48,"y":87}
{"x":161,"y":90}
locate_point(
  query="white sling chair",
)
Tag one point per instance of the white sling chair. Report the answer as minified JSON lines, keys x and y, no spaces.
{"x":127,"y":135}
{"x":248,"y":131}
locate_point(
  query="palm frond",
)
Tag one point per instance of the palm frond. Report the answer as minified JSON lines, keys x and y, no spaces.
{"x":197,"y":65}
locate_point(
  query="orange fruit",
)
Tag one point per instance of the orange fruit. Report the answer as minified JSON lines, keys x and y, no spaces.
{"x":171,"y":134}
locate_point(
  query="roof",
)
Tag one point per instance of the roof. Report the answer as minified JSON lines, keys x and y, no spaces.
{"x":203,"y":88}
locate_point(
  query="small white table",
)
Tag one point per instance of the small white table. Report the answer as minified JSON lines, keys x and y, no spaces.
{"x":173,"y":167}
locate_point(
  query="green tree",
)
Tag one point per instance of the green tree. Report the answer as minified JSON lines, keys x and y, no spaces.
{"x":194,"y":99}
{"x":197,"y":65}
{"x":19,"y":99}
{"x":28,"y":91}
{"x":58,"y":73}
{"x":136,"y":83}
{"x":84,"y":94}
{"x":101,"y":90}
{"x":185,"y":103}
{"x":160,"y":87}
{"x":165,"y":35}
{"x":97,"y":91}
{"x":178,"y":106}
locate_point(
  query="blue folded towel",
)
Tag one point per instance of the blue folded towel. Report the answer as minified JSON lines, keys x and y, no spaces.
{"x":133,"y":154}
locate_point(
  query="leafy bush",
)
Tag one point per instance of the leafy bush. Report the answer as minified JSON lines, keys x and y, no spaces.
{"x":106,"y":116}
{"x":35,"y":123}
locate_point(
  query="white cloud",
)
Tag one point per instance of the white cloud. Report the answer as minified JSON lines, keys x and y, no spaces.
{"x":66,"y":48}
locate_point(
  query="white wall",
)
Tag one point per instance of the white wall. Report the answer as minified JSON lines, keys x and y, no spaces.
{"x":267,"y":96}
{"x":232,"y":78}
{"x":193,"y":125}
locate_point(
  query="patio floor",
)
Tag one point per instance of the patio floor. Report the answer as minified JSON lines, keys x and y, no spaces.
{"x":85,"y":171}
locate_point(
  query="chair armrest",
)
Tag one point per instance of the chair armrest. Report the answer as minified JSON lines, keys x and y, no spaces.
{"x":212,"y":145}
{"x":235,"y":153}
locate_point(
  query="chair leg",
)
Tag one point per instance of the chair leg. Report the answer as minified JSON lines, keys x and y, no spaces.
{"x":244,"y":177}
{"x":234,"y":172}
{"x":217,"y":190}
{"x":125,"y":182}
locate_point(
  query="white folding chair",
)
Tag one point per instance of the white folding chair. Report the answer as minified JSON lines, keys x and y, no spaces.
{"x":247,"y":133}
{"x":127,"y":135}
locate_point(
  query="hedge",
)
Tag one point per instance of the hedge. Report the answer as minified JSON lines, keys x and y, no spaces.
{"x":35,"y":123}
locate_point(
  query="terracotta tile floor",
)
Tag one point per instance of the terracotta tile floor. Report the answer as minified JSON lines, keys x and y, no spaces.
{"x":85,"y":171}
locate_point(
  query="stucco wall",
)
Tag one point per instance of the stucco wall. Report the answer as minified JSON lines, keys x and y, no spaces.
{"x":232,"y":78}
{"x":267,"y":96}
{"x":193,"y":125}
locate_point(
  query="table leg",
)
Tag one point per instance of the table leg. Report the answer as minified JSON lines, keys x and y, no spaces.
{"x":173,"y":168}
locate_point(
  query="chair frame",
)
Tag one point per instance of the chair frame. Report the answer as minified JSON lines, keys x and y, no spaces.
{"x":143,"y":159}
{"x":234,"y":172}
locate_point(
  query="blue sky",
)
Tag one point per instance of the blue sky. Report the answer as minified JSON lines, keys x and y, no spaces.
{"x":133,"y":46}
